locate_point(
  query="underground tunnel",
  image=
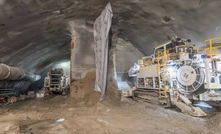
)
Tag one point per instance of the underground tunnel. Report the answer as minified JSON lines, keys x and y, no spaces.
{"x":112,"y":67}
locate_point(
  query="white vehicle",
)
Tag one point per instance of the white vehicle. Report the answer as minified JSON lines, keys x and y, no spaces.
{"x":180,"y":73}
{"x":57,"y":81}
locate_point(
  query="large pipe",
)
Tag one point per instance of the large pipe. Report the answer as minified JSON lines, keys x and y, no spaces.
{"x":15,"y":73}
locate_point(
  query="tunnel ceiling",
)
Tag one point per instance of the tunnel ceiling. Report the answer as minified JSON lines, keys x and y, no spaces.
{"x":37,"y":33}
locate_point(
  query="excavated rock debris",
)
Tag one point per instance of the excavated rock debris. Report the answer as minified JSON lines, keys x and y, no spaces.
{"x":83,"y":90}
{"x":83,"y":113}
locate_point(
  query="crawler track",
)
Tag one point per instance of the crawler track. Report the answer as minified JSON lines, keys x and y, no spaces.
{"x":150,"y":96}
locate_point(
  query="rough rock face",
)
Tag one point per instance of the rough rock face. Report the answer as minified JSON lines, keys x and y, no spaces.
{"x":36,"y":34}
{"x":147,"y":23}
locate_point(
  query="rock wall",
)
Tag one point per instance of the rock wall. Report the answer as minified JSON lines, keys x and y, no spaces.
{"x":122,"y":56}
{"x":82,"y":49}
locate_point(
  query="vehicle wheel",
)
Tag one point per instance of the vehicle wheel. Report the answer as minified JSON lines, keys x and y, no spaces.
{"x":6,"y":100}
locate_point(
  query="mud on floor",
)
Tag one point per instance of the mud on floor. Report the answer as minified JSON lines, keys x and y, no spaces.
{"x":82,"y":113}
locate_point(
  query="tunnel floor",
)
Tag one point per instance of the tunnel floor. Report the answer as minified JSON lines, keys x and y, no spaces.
{"x":81,"y":112}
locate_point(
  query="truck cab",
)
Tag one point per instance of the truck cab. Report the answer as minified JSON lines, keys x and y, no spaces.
{"x":57,"y":81}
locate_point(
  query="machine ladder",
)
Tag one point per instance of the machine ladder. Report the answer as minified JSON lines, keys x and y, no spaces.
{"x":162,"y":76}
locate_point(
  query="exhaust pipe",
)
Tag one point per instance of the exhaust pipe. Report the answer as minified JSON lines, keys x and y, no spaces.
{"x":15,"y":73}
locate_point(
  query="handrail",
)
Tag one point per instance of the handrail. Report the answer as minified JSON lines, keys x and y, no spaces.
{"x":211,"y":48}
{"x":212,"y":51}
{"x":167,"y":53}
